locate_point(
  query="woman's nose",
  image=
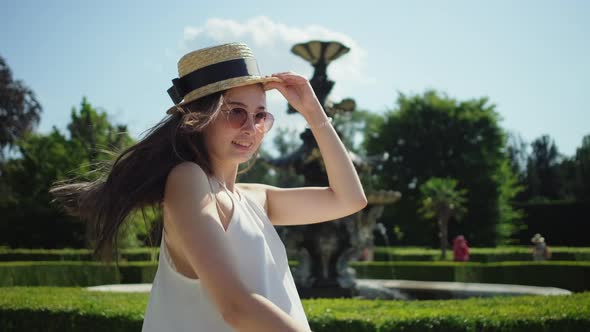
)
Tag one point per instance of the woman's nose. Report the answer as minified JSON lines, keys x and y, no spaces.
{"x":250,"y":125}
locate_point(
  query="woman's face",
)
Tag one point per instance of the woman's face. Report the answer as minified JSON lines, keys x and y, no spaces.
{"x":221,"y":138}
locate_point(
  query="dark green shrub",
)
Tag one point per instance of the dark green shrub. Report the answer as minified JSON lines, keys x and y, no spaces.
{"x":73,"y":309}
{"x":10,"y":255}
{"x":482,"y":255}
{"x":57,"y":274}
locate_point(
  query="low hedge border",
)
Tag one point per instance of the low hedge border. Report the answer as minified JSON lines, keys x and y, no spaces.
{"x":483,"y":255}
{"x":13,"y":255}
{"x":64,"y":273}
{"x":67,"y":309}
{"x":574,"y":276}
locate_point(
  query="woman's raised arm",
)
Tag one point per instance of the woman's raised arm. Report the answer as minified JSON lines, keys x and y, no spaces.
{"x":345,"y":194}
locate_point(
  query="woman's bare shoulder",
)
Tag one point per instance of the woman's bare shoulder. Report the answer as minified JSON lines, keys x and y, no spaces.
{"x":185,"y":170}
{"x":177,"y":184}
{"x":187,"y":166}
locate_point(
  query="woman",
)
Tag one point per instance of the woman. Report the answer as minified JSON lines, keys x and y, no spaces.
{"x":222,"y":265}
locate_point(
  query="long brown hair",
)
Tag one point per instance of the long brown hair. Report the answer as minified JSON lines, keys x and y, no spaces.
{"x":136,"y":178}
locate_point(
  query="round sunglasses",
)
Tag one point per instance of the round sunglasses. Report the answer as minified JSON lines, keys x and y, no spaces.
{"x":238,"y":116}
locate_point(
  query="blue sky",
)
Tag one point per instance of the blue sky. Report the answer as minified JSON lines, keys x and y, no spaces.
{"x":531,"y":58}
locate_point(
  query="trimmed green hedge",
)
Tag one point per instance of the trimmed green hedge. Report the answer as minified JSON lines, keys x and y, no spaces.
{"x":574,"y":276}
{"x":74,"y":309}
{"x":482,"y":255}
{"x":74,"y":273}
{"x":11,"y":255}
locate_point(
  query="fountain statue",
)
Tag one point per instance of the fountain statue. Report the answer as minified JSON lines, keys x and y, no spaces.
{"x":324,"y":249}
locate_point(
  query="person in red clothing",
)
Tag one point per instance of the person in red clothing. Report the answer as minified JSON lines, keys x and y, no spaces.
{"x":460,"y":249}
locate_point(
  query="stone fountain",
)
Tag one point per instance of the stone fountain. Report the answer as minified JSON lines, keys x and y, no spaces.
{"x":324,"y":250}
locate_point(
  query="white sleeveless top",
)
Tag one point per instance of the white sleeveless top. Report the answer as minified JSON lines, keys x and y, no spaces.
{"x":180,"y":304}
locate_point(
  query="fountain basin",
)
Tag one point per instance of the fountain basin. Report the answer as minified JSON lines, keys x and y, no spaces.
{"x":402,"y":289}
{"x":444,"y":290}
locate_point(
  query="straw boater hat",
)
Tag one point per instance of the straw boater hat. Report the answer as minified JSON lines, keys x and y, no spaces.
{"x":538,"y":238}
{"x":212,"y":69}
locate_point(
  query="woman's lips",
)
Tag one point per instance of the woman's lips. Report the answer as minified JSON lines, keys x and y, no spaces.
{"x":240,"y":147}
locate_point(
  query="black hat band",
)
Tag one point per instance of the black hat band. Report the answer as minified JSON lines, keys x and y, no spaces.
{"x":210,"y":74}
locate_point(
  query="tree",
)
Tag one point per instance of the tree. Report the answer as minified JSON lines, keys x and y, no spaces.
{"x":43,"y":159}
{"x":516,"y":150}
{"x":510,"y":220}
{"x":91,"y":132}
{"x":582,"y":170}
{"x":431,"y":135}
{"x":46,"y":158}
{"x":352,"y":127}
{"x":568,"y":177}
{"x":19,"y":109}
{"x":441,"y":199}
{"x":543,"y":174}
{"x":285,"y":140}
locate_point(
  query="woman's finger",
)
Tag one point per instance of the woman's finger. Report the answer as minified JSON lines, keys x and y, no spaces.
{"x":288,"y":74}
{"x":280,"y":74}
{"x":275,"y":85}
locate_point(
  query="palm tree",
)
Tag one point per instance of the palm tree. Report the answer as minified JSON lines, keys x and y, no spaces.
{"x":442,"y":199}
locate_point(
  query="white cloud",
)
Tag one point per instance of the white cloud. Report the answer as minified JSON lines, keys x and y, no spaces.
{"x":271,"y":42}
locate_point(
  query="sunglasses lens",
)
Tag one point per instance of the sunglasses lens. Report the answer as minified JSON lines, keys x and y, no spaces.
{"x":237,"y":117}
{"x":262,"y":120}
{"x":268,"y":121}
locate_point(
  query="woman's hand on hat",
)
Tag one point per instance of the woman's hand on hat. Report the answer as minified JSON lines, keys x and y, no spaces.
{"x":298,"y":92}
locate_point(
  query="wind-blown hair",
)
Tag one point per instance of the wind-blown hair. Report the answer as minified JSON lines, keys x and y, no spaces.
{"x":136,"y":178}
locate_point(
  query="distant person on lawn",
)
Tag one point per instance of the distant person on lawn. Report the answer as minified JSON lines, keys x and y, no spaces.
{"x":540,"y":249}
{"x":460,"y":249}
